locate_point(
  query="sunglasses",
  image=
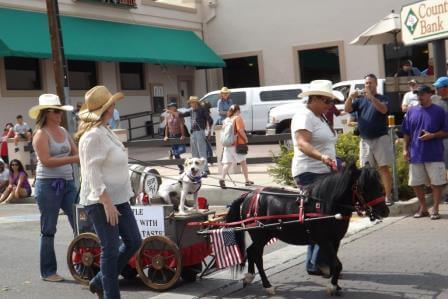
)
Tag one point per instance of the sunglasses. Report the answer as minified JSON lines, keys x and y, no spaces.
{"x":54,"y":110}
{"x":326,"y":100}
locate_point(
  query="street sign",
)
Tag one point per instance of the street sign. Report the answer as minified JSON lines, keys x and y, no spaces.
{"x":424,"y":21}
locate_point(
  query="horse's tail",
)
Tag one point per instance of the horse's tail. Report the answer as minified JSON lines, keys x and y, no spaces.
{"x":234,"y":215}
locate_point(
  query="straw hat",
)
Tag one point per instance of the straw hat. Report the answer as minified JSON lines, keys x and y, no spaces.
{"x":225,"y":90}
{"x":97,"y":100}
{"x":193,"y":99}
{"x":319,"y":88}
{"x":48,"y":101}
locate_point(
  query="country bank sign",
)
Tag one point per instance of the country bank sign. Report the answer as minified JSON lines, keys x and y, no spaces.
{"x":424,"y":21}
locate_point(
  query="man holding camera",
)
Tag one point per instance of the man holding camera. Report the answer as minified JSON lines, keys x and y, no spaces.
{"x":375,"y":147}
{"x":424,"y":128}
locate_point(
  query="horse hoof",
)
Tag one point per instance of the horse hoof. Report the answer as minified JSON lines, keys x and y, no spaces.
{"x":334,"y":290}
{"x":248,"y":278}
{"x":270,"y":291}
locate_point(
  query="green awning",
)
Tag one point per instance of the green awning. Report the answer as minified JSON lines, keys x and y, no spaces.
{"x":25,"y":34}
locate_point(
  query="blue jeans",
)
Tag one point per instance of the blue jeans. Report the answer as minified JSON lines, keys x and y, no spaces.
{"x":313,"y":256}
{"x":50,"y":200}
{"x":115,"y":253}
{"x":198,"y":144}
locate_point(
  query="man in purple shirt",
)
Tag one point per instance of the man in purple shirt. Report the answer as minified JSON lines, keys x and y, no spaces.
{"x":424,"y":128}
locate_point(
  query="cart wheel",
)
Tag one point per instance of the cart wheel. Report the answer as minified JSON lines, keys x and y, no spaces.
{"x":190,"y":273}
{"x":83,"y":257}
{"x":159,"y":263}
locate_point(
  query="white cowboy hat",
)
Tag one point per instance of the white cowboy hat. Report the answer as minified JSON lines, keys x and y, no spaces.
{"x":193,"y":99}
{"x":48,"y":101}
{"x":224,"y":90}
{"x":319,"y":88}
{"x":97,"y":100}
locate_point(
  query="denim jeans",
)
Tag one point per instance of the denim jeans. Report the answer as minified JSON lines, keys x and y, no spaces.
{"x":50,"y":200}
{"x":115,"y":253}
{"x":313,"y":256}
{"x":198,"y":144}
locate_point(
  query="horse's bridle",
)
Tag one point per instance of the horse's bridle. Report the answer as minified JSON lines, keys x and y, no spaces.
{"x":361,"y":205}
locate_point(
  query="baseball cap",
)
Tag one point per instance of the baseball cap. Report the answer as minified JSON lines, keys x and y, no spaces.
{"x":441,"y":82}
{"x":423,"y":89}
{"x":172,"y":104}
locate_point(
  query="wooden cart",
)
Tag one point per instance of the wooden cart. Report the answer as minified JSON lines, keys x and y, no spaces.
{"x":170,"y":249}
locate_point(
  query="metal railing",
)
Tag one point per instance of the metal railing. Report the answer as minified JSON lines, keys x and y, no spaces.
{"x":149,"y":123}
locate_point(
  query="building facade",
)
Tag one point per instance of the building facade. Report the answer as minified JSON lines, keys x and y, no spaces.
{"x":262,"y":42}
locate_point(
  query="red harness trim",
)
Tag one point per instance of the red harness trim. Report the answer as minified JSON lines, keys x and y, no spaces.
{"x":376,"y":201}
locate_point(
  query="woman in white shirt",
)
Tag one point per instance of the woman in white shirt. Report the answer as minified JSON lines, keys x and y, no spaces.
{"x":106,"y":189}
{"x":314,"y":149}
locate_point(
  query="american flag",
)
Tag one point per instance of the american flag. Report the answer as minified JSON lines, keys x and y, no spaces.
{"x":225,"y":248}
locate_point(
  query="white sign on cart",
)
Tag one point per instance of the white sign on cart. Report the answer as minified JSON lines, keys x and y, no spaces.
{"x":150,"y":220}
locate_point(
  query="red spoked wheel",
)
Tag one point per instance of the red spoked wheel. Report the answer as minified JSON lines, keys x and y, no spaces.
{"x":83,"y":257}
{"x":159,"y":263}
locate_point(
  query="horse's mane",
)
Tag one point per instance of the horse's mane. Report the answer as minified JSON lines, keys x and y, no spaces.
{"x":335,"y":187}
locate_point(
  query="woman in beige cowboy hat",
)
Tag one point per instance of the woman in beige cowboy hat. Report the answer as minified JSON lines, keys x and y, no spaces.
{"x":314,"y":150}
{"x":106,"y":189}
{"x":54,"y":186}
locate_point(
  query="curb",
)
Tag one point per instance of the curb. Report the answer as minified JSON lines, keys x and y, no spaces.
{"x":409,"y":207}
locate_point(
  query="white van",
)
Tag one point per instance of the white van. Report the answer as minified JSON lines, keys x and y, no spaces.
{"x":255,"y":103}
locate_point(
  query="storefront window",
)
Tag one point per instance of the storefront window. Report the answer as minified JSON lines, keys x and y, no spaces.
{"x":241,"y":72}
{"x":418,"y":54}
{"x":132,"y":76}
{"x":82,"y":75}
{"x":22,"y":73}
{"x":319,"y":63}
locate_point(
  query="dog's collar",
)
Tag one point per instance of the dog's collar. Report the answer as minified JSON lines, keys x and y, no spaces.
{"x":194,"y":179}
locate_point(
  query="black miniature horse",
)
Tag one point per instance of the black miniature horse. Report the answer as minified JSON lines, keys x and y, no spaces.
{"x":338,"y":193}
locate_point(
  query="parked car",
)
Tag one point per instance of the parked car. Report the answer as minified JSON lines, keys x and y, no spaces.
{"x":255,"y":102}
{"x":279,"y":118}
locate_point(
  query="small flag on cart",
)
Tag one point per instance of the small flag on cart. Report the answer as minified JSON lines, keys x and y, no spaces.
{"x":225,"y":247}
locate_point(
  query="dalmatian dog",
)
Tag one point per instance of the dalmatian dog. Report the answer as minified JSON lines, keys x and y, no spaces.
{"x":189,"y":182}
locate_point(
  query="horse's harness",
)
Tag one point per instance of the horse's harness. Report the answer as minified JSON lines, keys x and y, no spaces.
{"x":359,"y":204}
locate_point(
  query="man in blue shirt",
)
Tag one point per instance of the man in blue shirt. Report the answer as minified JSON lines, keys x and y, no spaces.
{"x":375,"y":147}
{"x":223,"y":105}
{"x":424,"y":128}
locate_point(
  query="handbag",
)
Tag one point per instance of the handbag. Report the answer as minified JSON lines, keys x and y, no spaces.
{"x":242,"y":149}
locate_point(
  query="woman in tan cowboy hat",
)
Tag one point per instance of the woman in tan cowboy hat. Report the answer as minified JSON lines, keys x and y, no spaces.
{"x":54,"y":186}
{"x":106,"y":189}
{"x":314,"y":150}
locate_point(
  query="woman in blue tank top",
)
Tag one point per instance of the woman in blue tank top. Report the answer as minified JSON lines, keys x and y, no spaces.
{"x":54,"y":186}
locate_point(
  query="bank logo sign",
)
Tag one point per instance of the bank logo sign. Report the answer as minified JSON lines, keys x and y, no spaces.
{"x":424,"y":21}
{"x":411,"y":21}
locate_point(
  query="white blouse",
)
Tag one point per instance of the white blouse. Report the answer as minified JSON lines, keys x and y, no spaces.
{"x":104,"y":167}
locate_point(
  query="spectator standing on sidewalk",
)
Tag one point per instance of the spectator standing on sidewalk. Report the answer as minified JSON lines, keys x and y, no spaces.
{"x":375,"y":147}
{"x":230,"y":154}
{"x":114,"y":121}
{"x":410,"y":97}
{"x":54,"y":185}
{"x":106,"y":189}
{"x":314,"y":152}
{"x":423,"y":128}
{"x":174,"y":128}
{"x":441,"y":99}
{"x":200,"y":118}
{"x":4,"y":176}
{"x":223,"y":104}
{"x":19,"y":186}
{"x":21,"y":130}
{"x":8,"y":132}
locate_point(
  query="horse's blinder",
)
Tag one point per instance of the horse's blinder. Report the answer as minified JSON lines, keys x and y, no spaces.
{"x":361,"y":205}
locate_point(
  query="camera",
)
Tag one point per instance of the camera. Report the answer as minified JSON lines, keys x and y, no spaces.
{"x":361,"y":92}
